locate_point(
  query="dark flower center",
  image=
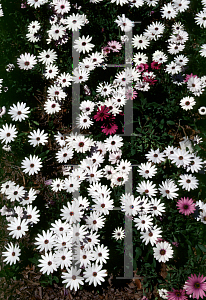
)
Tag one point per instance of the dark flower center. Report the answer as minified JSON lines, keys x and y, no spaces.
{"x":150,"y":234}
{"x":49,"y":263}
{"x":185,"y":206}
{"x":27,"y":63}
{"x":61,"y":229}
{"x":188,"y":180}
{"x":94,"y":274}
{"x":31,"y":165}
{"x":81,"y":144}
{"x":38,"y":138}
{"x":102,"y":205}
{"x":180,"y":157}
{"x":13,"y":254}
{"x":167,"y":191}
{"x":155,"y":155}
{"x":19,"y":112}
{"x":197,"y":285}
{"x":18,"y":228}
{"x":99,"y":254}
{"x":8,"y":134}
{"x":162,"y":252}
{"x":57,"y":31}
{"x":63,"y":257}
{"x":46,"y":241}
{"x":53,"y":105}
{"x":74,"y":277}
{"x":84,"y":256}
{"x":83,"y":44}
{"x":94,"y":222}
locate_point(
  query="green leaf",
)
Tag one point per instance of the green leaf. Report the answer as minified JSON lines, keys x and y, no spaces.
{"x":170,"y":122}
{"x":35,"y":122}
{"x":203,"y":248}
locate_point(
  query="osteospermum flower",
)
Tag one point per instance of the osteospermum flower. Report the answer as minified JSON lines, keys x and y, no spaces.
{"x":12,"y":254}
{"x":26,"y":61}
{"x":196,"y":286}
{"x":187,"y":103}
{"x":177,"y":295}
{"x":102,"y":113}
{"x":8,"y":133}
{"x":83,"y":44}
{"x":94,"y":274}
{"x":163,"y":252}
{"x":186,"y":206}
{"x":118,"y":233}
{"x":19,"y":112}
{"x":31,"y":165}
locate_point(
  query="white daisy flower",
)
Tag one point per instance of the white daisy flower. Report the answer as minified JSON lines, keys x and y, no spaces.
{"x":48,"y":263}
{"x":151,"y":235}
{"x":12,"y":254}
{"x":57,"y":185}
{"x":168,"y":189}
{"x":51,"y":107}
{"x":72,"y":278}
{"x":38,"y":137}
{"x":124,"y":23}
{"x":163,"y":252}
{"x":31,"y":165}
{"x":143,"y":222}
{"x":83,"y":45}
{"x":8,"y":133}
{"x":18,"y":228}
{"x":202,"y":110}
{"x":26,"y":61}
{"x":47,"y":56}
{"x":187,"y":103}
{"x":140,"y":41}
{"x":118,"y":233}
{"x":94,"y":274}
{"x":155,"y":156}
{"x":147,"y":170}
{"x":45,"y":241}
{"x":188,"y":182}
{"x":147,"y":188}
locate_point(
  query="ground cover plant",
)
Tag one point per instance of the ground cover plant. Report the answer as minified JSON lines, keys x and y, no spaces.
{"x":102,"y":131}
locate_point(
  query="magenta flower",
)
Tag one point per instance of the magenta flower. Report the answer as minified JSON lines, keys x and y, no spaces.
{"x":196,"y":286}
{"x":131,"y":94}
{"x":186,"y":206}
{"x":109,"y":128}
{"x":106,"y":50}
{"x":48,"y":182}
{"x":114,"y":46}
{"x":155,"y":65}
{"x":140,"y":68}
{"x":102,"y":113}
{"x":151,"y":80}
{"x":176,"y":244}
{"x":177,"y":295}
{"x":189,"y":76}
